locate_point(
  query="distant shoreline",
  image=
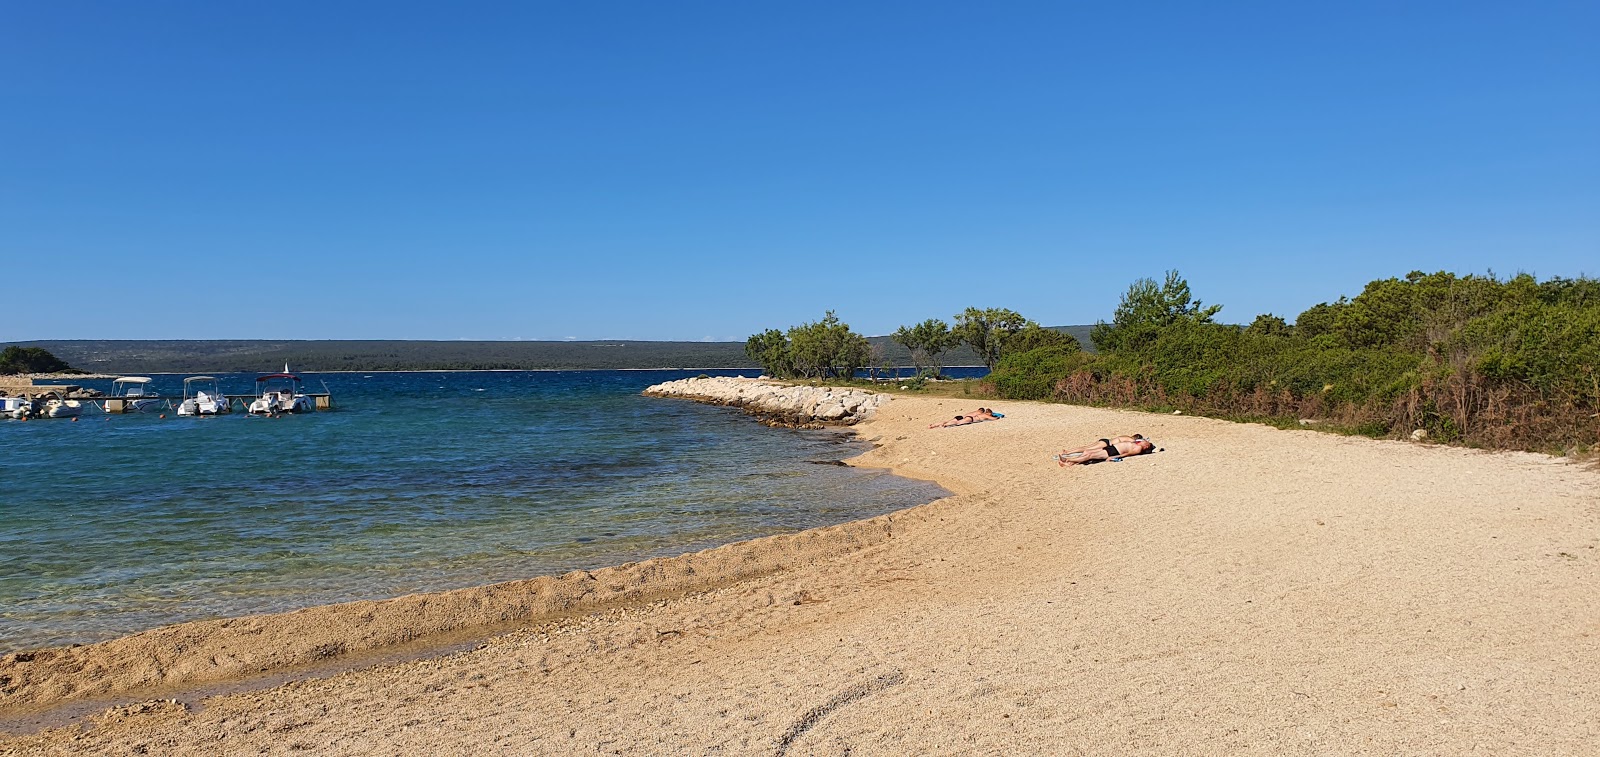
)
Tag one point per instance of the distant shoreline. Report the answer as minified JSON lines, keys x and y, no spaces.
{"x":466,"y":370}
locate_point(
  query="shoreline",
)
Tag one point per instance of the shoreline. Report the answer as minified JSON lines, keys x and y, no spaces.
{"x":44,"y":687}
{"x":1325,"y":593}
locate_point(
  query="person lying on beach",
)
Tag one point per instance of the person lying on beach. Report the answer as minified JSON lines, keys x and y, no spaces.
{"x":1101,"y":444}
{"x":980,"y":415}
{"x":1116,"y":451}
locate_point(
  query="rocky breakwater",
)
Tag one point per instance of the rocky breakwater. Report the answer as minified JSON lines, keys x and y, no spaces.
{"x":778,"y":404}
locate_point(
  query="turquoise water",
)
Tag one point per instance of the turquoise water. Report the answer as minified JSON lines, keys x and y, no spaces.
{"x":417,"y":482}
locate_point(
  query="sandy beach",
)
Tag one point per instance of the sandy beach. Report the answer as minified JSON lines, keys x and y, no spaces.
{"x":1246,"y":591}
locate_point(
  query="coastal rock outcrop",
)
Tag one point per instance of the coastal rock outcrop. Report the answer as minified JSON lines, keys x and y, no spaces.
{"x":778,"y":404}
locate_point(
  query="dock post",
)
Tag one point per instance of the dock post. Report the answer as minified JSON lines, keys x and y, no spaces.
{"x":116,"y":406}
{"x":324,"y":402}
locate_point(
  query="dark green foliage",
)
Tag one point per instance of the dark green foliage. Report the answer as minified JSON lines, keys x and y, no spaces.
{"x":1476,"y":359}
{"x":1146,"y":309}
{"x":30,"y":360}
{"x":1268,"y":324}
{"x":926,"y":341}
{"x":986,"y":331}
{"x":1032,"y":375}
{"x":827,"y":348}
{"x":1036,"y":337}
{"x":770,"y":349}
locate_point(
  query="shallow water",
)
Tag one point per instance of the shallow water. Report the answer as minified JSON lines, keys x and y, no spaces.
{"x":416,"y":482}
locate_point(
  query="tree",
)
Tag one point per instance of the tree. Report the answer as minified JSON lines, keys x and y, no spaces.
{"x":827,"y":348}
{"x":878,"y":362}
{"x":1268,"y":324}
{"x":926,"y":341}
{"x":1319,"y":319}
{"x":1148,"y":307}
{"x":31,"y":360}
{"x":771,"y":349}
{"x":1033,"y":337}
{"x":985,"y":331}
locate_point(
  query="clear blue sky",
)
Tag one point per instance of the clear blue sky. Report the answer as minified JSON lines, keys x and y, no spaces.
{"x":685,"y":170}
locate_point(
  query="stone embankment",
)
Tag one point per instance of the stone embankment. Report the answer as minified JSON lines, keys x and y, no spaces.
{"x":778,"y":404}
{"x":25,"y":385}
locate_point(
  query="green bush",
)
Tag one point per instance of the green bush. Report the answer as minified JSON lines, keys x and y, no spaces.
{"x":1032,"y":375}
{"x":31,"y":360}
{"x":1468,"y":358}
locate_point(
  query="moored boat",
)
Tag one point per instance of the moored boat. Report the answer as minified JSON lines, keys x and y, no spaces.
{"x":14,"y":407}
{"x":278,"y":393}
{"x":57,"y":407}
{"x":132,"y":394}
{"x":202,"y":395}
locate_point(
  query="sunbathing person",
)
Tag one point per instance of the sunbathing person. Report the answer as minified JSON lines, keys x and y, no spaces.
{"x":1116,"y":451}
{"x":982,"y":414}
{"x":1101,"y":444}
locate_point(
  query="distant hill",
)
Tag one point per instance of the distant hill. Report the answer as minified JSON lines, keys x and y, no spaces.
{"x":247,"y":355}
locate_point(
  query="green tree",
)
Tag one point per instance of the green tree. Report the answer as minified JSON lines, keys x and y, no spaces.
{"x":986,"y":331}
{"x":771,"y":349}
{"x":1036,"y":337}
{"x":1268,"y":324}
{"x":1319,"y":319}
{"x":1146,"y":309}
{"x":1032,"y":374}
{"x":827,"y":348}
{"x":926,"y":341}
{"x":31,"y":360}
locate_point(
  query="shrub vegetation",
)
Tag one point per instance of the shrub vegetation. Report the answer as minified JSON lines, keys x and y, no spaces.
{"x":1471,"y":359}
{"x":31,"y":360}
{"x":824,"y":349}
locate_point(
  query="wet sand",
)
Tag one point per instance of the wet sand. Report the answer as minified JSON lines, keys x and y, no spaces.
{"x":1249,"y":590}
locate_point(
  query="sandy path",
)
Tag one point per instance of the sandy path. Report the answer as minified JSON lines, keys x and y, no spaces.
{"x":1301,"y":593}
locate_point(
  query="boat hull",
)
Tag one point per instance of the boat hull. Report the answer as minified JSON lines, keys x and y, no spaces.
{"x":68,"y":409}
{"x":275,"y":405}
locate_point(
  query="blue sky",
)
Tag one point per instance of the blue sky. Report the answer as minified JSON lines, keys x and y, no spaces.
{"x":706,"y":170}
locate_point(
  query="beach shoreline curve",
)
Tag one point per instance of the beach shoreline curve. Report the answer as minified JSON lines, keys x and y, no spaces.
{"x":167,"y":660}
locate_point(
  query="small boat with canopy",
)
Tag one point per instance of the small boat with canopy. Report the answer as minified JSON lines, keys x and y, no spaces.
{"x":132,"y":394}
{"x":202,"y":395}
{"x":281,"y":393}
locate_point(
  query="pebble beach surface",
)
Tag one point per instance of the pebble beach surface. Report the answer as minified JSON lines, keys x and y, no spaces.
{"x":1247,"y":591}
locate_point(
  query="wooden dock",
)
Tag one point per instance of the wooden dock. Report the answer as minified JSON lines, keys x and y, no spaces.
{"x":119,"y":405}
{"x":323,"y":400}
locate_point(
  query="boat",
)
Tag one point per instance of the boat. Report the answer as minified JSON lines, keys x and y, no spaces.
{"x":202,"y":395}
{"x":59,"y":407}
{"x":280,"y":393}
{"x":133,"y":394}
{"x":14,"y":407}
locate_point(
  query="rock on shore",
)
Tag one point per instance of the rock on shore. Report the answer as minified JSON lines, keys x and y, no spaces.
{"x":778,"y":404}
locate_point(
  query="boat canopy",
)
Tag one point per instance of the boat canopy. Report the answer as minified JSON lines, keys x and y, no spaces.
{"x":132,"y":380}
{"x":272,"y":376}
{"x":199,"y":378}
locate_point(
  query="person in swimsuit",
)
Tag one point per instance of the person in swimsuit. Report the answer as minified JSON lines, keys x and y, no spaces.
{"x":1100,"y":444}
{"x":1114,"y":451}
{"x":982,"y":414}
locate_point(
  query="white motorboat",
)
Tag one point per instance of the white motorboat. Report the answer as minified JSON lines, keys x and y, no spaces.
{"x":14,"y":407}
{"x":280,"y":393}
{"x":133,"y":395}
{"x":57,"y":407}
{"x":202,"y":395}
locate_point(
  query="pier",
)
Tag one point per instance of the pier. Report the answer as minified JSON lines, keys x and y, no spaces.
{"x":119,"y":405}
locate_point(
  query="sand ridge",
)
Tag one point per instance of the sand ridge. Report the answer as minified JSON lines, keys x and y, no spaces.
{"x":1249,"y":590}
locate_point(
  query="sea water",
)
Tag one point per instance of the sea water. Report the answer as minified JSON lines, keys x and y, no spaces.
{"x":415,"y":482}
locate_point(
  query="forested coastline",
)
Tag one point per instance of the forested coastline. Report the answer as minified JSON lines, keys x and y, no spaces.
{"x":248,"y":355}
{"x":1478,"y":360}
